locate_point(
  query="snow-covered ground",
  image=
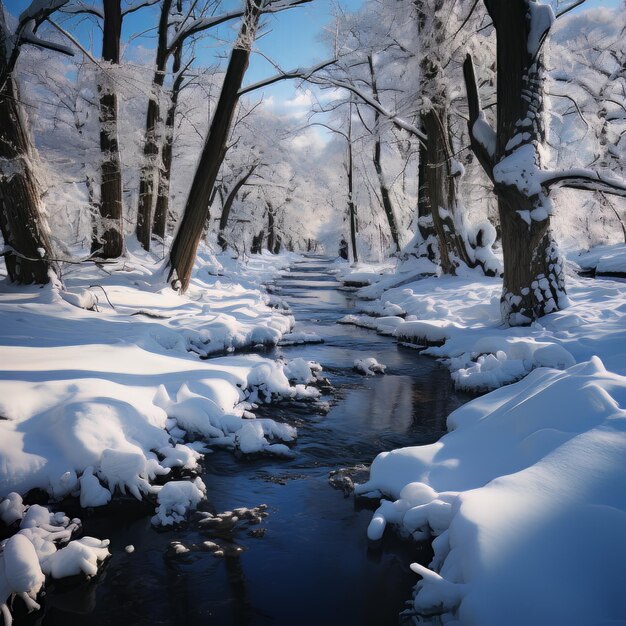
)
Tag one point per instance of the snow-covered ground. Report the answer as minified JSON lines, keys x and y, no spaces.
{"x":108,"y":399}
{"x":524,"y":497}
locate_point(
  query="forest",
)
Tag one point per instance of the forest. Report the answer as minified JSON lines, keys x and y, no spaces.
{"x":313,"y":310}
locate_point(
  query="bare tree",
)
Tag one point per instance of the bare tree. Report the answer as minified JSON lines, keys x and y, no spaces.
{"x":229,"y":201}
{"x":377,"y":158}
{"x":27,"y":244}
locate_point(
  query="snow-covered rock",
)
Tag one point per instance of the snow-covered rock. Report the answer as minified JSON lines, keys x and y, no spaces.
{"x":369,"y":366}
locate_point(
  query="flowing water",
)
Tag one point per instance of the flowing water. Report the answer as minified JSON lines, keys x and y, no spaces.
{"x":308,"y":561}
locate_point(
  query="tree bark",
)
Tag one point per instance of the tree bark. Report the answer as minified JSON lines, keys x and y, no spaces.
{"x":271,"y":234}
{"x":149,"y":169}
{"x":165,"y":172}
{"x":533,"y":271}
{"x":442,"y":192}
{"x":351,"y":204}
{"x":108,"y":235}
{"x":22,"y":224}
{"x":384,"y":190}
{"x":437,"y":182}
{"x":185,"y":245}
{"x":429,"y":244}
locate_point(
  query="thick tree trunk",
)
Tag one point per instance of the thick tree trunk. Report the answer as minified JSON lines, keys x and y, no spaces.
{"x":533,"y":272}
{"x":429,"y":245}
{"x":441,"y":189}
{"x":165,"y":172}
{"x":437,"y":182}
{"x":150,"y":167}
{"x":185,"y":245}
{"x":384,"y":190}
{"x":21,"y":213}
{"x":108,"y":235}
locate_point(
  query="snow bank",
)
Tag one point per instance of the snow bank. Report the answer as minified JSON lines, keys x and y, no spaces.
{"x":97,"y":403}
{"x":512,"y":494}
{"x":457,"y":319}
{"x":604,"y":260}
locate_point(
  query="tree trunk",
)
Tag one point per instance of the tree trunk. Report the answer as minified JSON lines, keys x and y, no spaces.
{"x":150,"y":167}
{"x":228,"y":205}
{"x":21,"y":212}
{"x":441,"y":188}
{"x":165,"y":172}
{"x":436,"y":177}
{"x":273,"y":238}
{"x":185,"y":245}
{"x":384,"y":190}
{"x":108,"y":235}
{"x":429,"y":244}
{"x":257,"y":243}
{"x":351,"y":204}
{"x":533,"y":272}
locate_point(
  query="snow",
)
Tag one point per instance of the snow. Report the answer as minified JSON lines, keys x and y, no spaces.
{"x":176,"y":498}
{"x":541,"y":18}
{"x":34,"y":552}
{"x":80,"y":556}
{"x":101,"y":403}
{"x":484,"y":134}
{"x":297,"y":338}
{"x":369,"y":366}
{"x":609,"y":260}
{"x":510,"y":494}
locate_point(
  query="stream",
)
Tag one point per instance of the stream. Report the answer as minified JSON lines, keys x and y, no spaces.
{"x":308,"y":561}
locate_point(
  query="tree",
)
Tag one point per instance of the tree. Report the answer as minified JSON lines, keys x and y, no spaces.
{"x":110,"y":241}
{"x":185,"y":244}
{"x":534,"y":281}
{"x":182,"y":28}
{"x":228,"y":203}
{"x":384,"y":189}
{"x":28,"y":250}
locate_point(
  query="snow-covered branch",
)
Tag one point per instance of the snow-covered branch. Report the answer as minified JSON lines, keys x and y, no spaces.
{"x":368,"y":99}
{"x":482,"y":136}
{"x":25,"y":33}
{"x":29,"y":36}
{"x":139,"y":5}
{"x":585,"y":179}
{"x":303,"y":73}
{"x":205,"y":23}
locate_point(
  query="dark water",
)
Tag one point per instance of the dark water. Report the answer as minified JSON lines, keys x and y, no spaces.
{"x":309,"y":561}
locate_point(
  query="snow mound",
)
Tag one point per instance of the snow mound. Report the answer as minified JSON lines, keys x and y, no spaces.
{"x":510,"y":495}
{"x":369,"y":366}
{"x":175,"y":499}
{"x":42,"y":546}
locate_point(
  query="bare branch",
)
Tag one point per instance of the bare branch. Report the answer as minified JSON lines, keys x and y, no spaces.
{"x":139,"y":5}
{"x":483,"y":152}
{"x":570,"y":8}
{"x":586,"y":180}
{"x":303,"y":73}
